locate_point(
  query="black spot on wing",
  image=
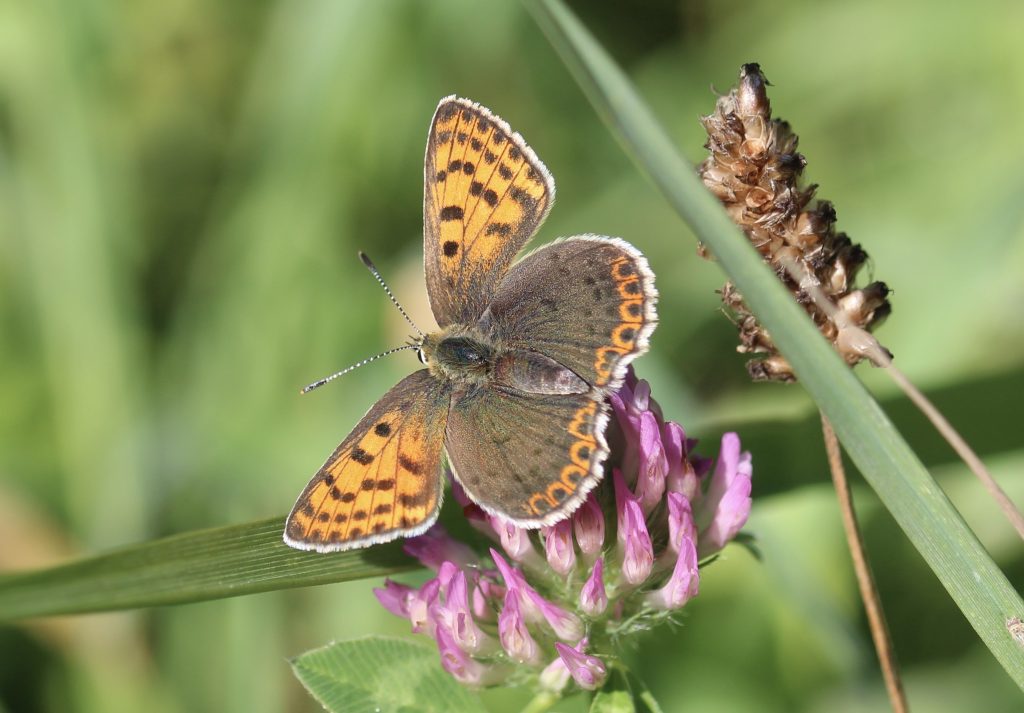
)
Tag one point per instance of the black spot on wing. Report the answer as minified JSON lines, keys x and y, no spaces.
{"x":451,"y":212}
{"x":414,"y":467}
{"x":410,"y":500}
{"x":502,"y":229}
{"x":522,"y":197}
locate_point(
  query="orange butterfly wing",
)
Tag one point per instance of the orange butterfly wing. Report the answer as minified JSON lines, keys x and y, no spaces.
{"x":384,"y":480}
{"x":485,"y":195}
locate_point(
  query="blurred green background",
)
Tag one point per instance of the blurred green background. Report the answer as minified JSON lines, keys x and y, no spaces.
{"x":184,"y":186}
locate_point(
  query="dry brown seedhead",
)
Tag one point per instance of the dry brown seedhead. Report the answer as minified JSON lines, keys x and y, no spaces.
{"x":754,"y":169}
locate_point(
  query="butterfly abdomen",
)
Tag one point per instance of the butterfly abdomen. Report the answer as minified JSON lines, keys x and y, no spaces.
{"x":535,"y":373}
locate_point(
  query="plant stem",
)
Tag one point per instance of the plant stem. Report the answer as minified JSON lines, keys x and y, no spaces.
{"x":966,"y":453}
{"x":648,"y":700}
{"x":865,"y":579}
{"x":641,"y":694}
{"x":542,"y":702}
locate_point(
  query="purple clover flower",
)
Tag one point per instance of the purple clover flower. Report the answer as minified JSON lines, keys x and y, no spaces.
{"x":588,"y":524}
{"x":636,"y":550}
{"x":588,"y":671}
{"x":548,"y":601}
{"x":593,"y":596}
{"x":558,"y":545}
{"x":515,"y":636}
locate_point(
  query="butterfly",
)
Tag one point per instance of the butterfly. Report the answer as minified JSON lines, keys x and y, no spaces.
{"x":516,"y":377}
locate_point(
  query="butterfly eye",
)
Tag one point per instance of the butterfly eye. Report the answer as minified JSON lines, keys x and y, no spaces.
{"x":422,"y":356}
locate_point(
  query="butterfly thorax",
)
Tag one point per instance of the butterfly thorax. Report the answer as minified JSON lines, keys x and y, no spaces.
{"x":470,"y":358}
{"x":458,"y":355}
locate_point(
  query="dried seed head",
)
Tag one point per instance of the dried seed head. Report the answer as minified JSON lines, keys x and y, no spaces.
{"x":754,"y":169}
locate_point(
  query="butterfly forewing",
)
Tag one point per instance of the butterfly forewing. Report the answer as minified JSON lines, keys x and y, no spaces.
{"x":485,"y":195}
{"x":529,"y":458}
{"x":586,"y":302}
{"x":384,"y":480}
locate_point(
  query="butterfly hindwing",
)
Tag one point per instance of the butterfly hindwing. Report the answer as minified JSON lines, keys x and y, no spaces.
{"x":587,"y":302}
{"x":530,"y":458}
{"x":485,"y":195}
{"x":384,"y":480}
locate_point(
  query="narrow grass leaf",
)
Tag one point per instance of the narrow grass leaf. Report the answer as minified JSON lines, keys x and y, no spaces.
{"x":194,"y":566}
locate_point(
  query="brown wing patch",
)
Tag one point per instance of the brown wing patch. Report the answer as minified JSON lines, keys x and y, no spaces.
{"x":586,"y":302}
{"x":485,"y":195}
{"x":383,"y":481}
{"x":530,"y":458}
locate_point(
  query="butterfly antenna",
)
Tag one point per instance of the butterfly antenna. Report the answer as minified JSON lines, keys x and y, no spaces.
{"x":332,"y":377}
{"x":373,"y":270}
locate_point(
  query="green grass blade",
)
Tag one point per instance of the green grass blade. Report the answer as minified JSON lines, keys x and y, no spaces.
{"x":935,"y":528}
{"x":190,"y":567}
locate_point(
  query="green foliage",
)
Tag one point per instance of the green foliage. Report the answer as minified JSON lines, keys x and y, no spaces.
{"x":381,"y":675}
{"x":184,"y":186}
{"x":614,"y":696}
{"x":615,"y":700}
{"x":623,"y":692}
